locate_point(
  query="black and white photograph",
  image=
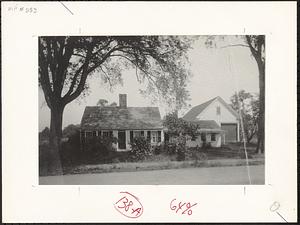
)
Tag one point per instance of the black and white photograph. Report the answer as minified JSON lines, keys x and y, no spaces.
{"x":151,"y":109}
{"x":149,"y":112}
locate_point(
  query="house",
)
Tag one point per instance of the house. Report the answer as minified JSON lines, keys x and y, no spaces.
{"x":218,"y":122}
{"x":122,"y":122}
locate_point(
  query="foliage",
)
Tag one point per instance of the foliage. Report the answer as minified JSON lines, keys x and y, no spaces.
{"x":104,"y":102}
{"x":113,"y":104}
{"x":100,"y":145}
{"x":179,"y":130}
{"x":158,"y":149}
{"x":248,"y":106}
{"x":70,"y":130}
{"x":181,"y":147}
{"x":44,"y":133}
{"x":177,"y":126}
{"x":206,"y":145}
{"x":169,"y":148}
{"x":66,"y":61}
{"x":140,"y":149}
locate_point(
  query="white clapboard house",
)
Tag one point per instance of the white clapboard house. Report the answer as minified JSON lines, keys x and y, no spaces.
{"x":218,"y":122}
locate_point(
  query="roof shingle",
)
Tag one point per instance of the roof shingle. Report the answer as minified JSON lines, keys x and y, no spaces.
{"x":96,"y":117}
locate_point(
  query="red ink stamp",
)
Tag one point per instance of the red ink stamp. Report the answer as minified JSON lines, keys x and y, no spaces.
{"x":129,"y":205}
{"x":182,"y":207}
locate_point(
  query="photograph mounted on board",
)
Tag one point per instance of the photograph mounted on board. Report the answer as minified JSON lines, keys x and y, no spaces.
{"x":144,"y":110}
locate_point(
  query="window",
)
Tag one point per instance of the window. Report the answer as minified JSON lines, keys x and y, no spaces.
{"x":136,"y":133}
{"x":218,"y":110}
{"x":148,"y":135}
{"x":105,"y":133}
{"x":213,"y":137}
{"x":94,"y":133}
{"x":154,"y":136}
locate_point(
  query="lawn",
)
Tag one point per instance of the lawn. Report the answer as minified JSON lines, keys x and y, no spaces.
{"x":77,"y":162}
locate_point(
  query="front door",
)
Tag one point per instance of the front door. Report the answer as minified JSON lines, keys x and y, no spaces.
{"x":122,"y":139}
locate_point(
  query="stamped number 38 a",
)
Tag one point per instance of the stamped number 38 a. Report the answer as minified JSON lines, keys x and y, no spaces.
{"x":129,"y":205}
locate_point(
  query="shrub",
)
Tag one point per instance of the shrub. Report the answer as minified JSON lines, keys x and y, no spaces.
{"x":140,"y":149}
{"x":206,"y":145}
{"x":181,"y":148}
{"x":97,"y":149}
{"x":180,"y":156}
{"x":170,"y":148}
{"x":158,"y":149}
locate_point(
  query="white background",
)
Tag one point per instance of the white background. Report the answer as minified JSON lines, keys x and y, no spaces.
{"x":25,"y":201}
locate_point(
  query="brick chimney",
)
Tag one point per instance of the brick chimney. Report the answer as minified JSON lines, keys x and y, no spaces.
{"x":123,"y":100}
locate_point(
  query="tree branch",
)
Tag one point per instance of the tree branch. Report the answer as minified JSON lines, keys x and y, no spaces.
{"x":252,"y":49}
{"x":106,"y":75}
{"x":85,"y":72}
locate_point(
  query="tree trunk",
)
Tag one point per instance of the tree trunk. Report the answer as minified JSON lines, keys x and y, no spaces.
{"x":54,"y":162}
{"x":261,"y":119}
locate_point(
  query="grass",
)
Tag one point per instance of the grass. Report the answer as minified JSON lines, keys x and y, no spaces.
{"x":162,"y":165}
{"x":229,"y":155}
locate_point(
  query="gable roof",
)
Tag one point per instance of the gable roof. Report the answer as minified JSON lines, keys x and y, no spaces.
{"x":207,"y":124}
{"x":97,"y":117}
{"x":196,"y":110}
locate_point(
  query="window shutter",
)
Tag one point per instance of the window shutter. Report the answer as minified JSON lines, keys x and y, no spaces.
{"x":159,"y":136}
{"x":148,"y":135}
{"x":131,"y":136}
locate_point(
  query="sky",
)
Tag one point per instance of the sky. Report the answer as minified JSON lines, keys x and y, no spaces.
{"x":215,"y":72}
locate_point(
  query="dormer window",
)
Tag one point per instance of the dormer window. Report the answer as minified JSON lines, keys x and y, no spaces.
{"x":218,"y":110}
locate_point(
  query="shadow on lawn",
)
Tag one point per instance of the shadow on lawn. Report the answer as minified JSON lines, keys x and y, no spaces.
{"x":73,"y":158}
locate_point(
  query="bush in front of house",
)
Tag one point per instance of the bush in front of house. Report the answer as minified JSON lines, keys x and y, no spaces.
{"x":140,"y":149}
{"x":169,"y":148}
{"x":97,"y":149}
{"x":158,"y":149}
{"x":181,"y":147}
{"x":180,"y":153}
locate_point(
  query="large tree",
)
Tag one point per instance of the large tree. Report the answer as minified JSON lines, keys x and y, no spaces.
{"x":256,"y":45}
{"x":247,"y":105}
{"x":66,"y":62}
